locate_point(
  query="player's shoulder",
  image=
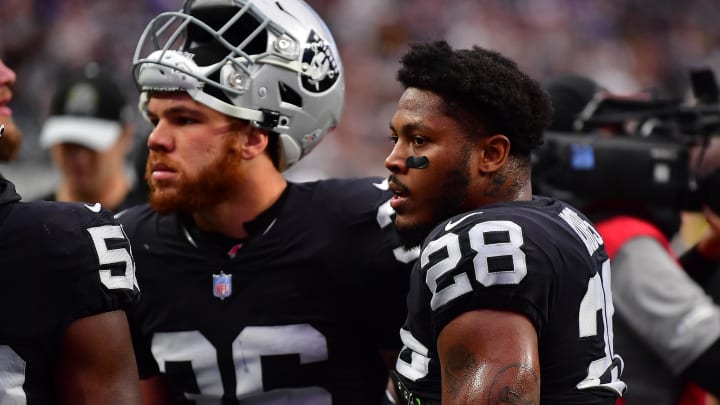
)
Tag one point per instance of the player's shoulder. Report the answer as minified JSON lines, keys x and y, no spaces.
{"x":137,"y":216}
{"x":58,"y":220}
{"x":65,"y":232}
{"x":540,"y":219}
{"x":135,"y":213}
{"x":347,"y":196}
{"x":535,"y":212}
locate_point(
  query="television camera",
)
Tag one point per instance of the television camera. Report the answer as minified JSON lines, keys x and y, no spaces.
{"x":636,"y":151}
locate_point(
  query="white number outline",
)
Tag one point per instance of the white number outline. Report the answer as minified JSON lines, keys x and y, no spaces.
{"x":100,"y":235}
{"x":12,"y":377}
{"x":598,"y":297}
{"x":419,"y":365}
{"x":461,"y":285}
{"x":251,"y":344}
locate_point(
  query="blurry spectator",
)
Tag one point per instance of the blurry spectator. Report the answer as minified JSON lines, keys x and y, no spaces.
{"x":140,"y":189}
{"x":89,"y":136}
{"x":666,"y":326}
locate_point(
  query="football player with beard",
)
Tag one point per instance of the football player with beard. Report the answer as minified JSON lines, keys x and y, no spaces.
{"x":11,"y":137}
{"x":509,"y":301}
{"x":256,"y":290}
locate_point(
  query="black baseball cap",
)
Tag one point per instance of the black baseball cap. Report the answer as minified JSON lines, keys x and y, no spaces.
{"x":88,"y":108}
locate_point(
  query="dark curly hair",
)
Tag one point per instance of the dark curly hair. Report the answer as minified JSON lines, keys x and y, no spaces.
{"x":482,"y":90}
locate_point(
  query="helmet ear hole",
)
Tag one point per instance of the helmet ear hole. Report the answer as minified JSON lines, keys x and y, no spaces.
{"x":288,"y":95}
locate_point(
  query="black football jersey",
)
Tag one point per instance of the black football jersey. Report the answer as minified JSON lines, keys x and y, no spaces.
{"x":58,"y":262}
{"x":540,"y":258}
{"x":295,"y":314}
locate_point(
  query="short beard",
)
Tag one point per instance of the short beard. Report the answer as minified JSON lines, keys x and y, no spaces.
{"x":213,"y":184}
{"x":10,"y":141}
{"x":453,"y":201}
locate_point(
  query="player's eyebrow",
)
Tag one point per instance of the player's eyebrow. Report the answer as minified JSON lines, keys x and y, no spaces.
{"x":409,"y":127}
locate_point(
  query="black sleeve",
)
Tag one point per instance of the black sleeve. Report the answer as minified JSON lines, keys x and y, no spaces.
{"x":703,"y":371}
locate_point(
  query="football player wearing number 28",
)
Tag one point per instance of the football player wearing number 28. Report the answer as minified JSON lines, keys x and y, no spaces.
{"x":256,"y":290}
{"x":509,"y":301}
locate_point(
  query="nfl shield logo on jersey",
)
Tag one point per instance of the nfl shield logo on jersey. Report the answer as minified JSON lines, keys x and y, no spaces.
{"x":222,"y":285}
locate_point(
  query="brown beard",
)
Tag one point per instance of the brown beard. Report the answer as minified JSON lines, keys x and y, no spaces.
{"x":10,"y":141}
{"x":212,"y":185}
{"x":452,"y":201}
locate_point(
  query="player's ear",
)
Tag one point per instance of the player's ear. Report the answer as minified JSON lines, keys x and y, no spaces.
{"x":491,"y":153}
{"x":254,"y":142}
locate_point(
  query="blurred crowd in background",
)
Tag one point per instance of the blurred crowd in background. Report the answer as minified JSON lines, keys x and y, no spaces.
{"x":628,"y":46}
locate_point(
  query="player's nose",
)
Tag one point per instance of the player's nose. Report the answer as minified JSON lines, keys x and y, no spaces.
{"x":396,"y":161}
{"x":7,"y":75}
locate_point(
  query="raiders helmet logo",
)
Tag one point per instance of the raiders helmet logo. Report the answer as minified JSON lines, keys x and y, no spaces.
{"x":319,"y":65}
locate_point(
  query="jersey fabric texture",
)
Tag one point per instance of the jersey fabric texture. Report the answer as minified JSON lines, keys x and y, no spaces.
{"x":540,"y":258}
{"x":664,"y":322}
{"x":295,"y":314}
{"x":58,"y":262}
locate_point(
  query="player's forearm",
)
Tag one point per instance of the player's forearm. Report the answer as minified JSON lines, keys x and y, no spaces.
{"x":154,"y":391}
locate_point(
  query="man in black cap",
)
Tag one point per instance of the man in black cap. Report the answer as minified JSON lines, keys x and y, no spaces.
{"x":89,"y":134}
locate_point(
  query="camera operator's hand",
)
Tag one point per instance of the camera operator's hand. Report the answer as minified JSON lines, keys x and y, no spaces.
{"x":709,"y":244}
{"x":703,"y":259}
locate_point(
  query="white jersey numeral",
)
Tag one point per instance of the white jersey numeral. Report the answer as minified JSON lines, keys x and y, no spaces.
{"x":602,"y":372}
{"x":507,"y":247}
{"x":12,"y":377}
{"x":248,"y":348}
{"x":106,"y":256}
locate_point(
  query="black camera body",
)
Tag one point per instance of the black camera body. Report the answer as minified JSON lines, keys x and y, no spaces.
{"x":630,"y":151}
{"x":598,"y":168}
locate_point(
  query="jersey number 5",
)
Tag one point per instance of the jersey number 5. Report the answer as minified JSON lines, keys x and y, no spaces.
{"x":120,"y":255}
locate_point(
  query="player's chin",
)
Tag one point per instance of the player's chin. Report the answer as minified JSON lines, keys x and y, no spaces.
{"x":411,"y":231}
{"x":164,"y":200}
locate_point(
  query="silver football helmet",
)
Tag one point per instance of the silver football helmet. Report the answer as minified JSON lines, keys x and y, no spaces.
{"x":272,"y":62}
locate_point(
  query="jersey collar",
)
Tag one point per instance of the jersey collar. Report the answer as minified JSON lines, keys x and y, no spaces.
{"x":255,"y":228}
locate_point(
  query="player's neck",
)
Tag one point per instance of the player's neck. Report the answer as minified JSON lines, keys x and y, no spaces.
{"x":229,"y":217}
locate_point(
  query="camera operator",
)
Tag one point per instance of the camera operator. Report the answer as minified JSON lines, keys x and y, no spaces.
{"x":666,"y":326}
{"x":702,"y":260}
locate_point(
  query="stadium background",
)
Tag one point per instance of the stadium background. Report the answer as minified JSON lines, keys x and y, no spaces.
{"x":628,"y":46}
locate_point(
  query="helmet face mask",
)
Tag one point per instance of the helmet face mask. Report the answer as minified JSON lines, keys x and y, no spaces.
{"x":274,"y":63}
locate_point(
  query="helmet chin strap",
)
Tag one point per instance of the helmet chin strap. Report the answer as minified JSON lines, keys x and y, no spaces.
{"x":417,"y":162}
